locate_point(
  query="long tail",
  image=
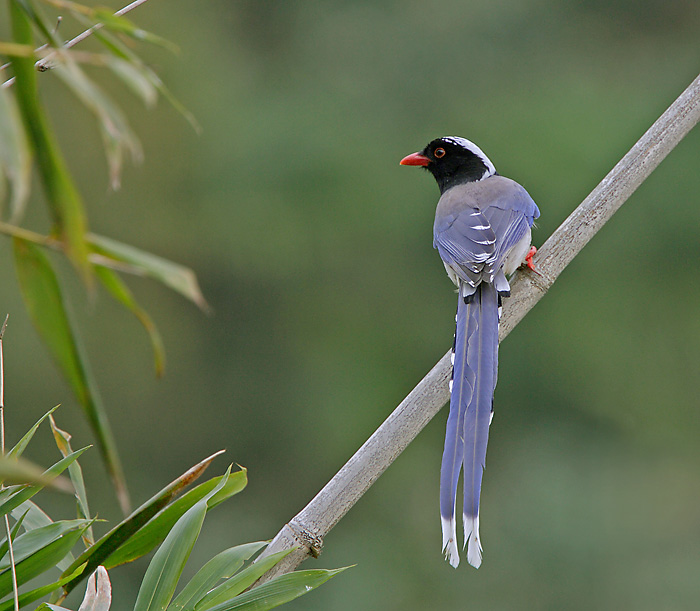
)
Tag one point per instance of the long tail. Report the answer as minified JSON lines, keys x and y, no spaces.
{"x":474,"y":378}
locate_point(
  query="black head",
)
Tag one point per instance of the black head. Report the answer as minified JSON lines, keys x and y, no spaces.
{"x":452,"y":161}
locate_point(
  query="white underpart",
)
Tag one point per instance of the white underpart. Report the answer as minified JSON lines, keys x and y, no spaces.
{"x":517,"y":254}
{"x":471,"y":540}
{"x":449,"y":541}
{"x":470,"y":146}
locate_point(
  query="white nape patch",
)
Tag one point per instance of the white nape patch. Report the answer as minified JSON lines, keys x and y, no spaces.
{"x":470,"y":146}
{"x":449,"y":541}
{"x":471,"y":540}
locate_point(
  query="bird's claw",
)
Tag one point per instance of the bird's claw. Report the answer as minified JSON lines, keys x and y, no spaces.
{"x":528,"y":260}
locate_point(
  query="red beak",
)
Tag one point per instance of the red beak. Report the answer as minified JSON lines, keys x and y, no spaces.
{"x":415,"y":159}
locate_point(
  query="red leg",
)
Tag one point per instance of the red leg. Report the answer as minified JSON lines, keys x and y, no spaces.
{"x":528,"y":259}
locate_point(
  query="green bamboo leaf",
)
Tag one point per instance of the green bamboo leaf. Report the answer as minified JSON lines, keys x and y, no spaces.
{"x":22,"y":443}
{"x":62,"y":439}
{"x":21,"y":471}
{"x":34,"y":518}
{"x":15,"y":158}
{"x":157,"y":528}
{"x":233,"y":586}
{"x":35,"y":594}
{"x":166,"y":567}
{"x":114,"y":284}
{"x":163,"y":573}
{"x":41,"y":561}
{"x":23,"y":493}
{"x":44,"y":299}
{"x":33,"y":515}
{"x":95,"y":555}
{"x":64,"y":201}
{"x":221,"y":566}
{"x":278,"y":591}
{"x":177,"y":277}
{"x":31,"y":542}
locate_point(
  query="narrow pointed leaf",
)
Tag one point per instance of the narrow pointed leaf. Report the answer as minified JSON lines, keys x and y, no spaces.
{"x":177,"y":277}
{"x":33,"y":516}
{"x":118,"y":289}
{"x":221,"y":566}
{"x":163,"y":573}
{"x":62,"y":439}
{"x":44,"y":299}
{"x":278,"y":591}
{"x":94,"y":556}
{"x":24,"y":493}
{"x":160,"y":525}
{"x":166,"y":567}
{"x":63,"y":199}
{"x":31,"y":542}
{"x":238,"y":583}
{"x":22,"y":443}
{"x":40,"y":561}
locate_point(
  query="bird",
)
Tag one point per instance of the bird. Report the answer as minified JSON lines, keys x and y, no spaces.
{"x":482,"y":232}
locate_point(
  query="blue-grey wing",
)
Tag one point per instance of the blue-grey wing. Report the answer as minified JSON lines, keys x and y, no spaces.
{"x":466,"y":243}
{"x":477,"y":224}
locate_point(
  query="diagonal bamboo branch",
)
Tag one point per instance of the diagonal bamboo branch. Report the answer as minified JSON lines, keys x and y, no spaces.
{"x":308,"y":528}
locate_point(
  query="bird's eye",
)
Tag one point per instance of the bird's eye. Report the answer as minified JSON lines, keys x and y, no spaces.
{"x":439,"y":153}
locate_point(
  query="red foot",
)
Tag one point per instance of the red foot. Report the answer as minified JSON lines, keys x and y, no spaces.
{"x":528,"y":259}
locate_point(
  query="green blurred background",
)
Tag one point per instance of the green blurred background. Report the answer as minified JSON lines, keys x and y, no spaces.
{"x":313,"y":248}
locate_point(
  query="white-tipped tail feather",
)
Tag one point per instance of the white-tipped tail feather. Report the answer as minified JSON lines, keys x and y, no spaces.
{"x":471,"y":540}
{"x":449,"y":541}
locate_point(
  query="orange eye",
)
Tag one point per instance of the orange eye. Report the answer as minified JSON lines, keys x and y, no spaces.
{"x":439,"y":153}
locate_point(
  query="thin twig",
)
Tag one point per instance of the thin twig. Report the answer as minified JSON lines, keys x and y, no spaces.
{"x":308,"y":528}
{"x":8,"y":530}
{"x":73,"y":41}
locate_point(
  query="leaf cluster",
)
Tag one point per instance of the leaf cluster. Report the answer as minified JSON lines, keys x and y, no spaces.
{"x":171,"y":520}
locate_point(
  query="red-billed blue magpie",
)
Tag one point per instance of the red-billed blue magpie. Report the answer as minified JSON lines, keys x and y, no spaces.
{"x":482,"y":233}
